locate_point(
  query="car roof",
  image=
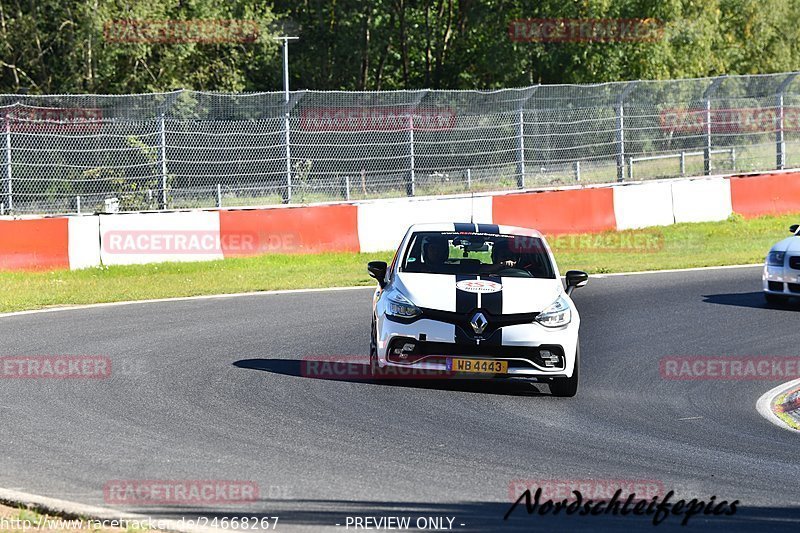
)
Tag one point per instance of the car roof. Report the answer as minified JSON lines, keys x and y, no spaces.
{"x":476,"y":227}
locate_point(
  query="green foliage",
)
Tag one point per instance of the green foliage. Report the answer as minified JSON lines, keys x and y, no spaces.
{"x":63,"y":46}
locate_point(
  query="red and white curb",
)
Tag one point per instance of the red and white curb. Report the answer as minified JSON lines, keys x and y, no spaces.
{"x":781,"y":405}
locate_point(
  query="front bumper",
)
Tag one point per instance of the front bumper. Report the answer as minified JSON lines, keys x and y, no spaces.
{"x":530,"y":349}
{"x":781,"y":280}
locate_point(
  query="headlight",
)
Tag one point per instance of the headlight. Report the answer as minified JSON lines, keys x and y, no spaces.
{"x":557,"y":314}
{"x":401,"y":306}
{"x":775,"y":258}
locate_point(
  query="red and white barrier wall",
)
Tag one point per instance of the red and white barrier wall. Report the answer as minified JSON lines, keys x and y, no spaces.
{"x":51,"y":243}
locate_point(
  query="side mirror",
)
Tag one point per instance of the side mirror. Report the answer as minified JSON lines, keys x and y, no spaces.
{"x":575,"y":279}
{"x":377,"y":269}
{"x":793,"y":228}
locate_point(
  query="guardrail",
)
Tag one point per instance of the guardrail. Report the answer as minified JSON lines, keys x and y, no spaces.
{"x":682,"y":157}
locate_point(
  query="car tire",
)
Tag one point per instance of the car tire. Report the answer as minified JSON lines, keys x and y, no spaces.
{"x":775,"y":299}
{"x":568,"y":387}
{"x":373,"y":350}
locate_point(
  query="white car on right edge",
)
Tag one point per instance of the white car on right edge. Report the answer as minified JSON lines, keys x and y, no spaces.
{"x":781,"y":277}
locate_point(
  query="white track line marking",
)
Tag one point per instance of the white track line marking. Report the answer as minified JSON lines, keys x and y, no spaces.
{"x":764,"y":404}
{"x":668,"y":271}
{"x":324,"y":289}
{"x":179,"y":299}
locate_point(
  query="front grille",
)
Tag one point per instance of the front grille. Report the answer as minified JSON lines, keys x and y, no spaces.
{"x":495,"y":322}
{"x":794,"y":262}
{"x":775,"y":286}
{"x":794,"y":287}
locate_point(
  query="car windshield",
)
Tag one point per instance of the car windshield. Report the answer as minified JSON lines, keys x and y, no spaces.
{"x":478,"y":254}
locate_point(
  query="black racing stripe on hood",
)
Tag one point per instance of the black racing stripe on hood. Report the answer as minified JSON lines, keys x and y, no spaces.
{"x":489,"y":228}
{"x":492,"y":302}
{"x":464,"y":227}
{"x":465,"y":301}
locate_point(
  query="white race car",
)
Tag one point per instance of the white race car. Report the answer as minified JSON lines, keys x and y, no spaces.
{"x":481,"y":299}
{"x":781,"y":276}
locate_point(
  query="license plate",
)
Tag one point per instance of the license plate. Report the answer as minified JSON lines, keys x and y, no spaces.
{"x":483,"y":366}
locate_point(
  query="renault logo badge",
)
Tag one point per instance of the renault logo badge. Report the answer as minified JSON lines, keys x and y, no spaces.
{"x":478,"y":322}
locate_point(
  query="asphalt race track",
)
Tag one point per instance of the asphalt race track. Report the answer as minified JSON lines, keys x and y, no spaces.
{"x":214,"y":389}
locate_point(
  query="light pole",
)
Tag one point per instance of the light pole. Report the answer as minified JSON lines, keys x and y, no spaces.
{"x":287,"y":197}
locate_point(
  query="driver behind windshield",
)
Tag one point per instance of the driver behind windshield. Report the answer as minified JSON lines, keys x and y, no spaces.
{"x":533,"y":262}
{"x":435,"y":251}
{"x":502,"y":255}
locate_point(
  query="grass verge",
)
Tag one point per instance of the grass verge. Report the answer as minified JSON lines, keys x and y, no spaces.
{"x":734,"y":241}
{"x":22,"y":519}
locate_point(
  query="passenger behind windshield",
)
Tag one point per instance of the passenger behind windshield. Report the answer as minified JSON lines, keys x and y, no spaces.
{"x":478,"y":254}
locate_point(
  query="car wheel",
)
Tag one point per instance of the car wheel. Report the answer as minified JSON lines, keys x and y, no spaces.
{"x":775,"y":299}
{"x":568,"y":387}
{"x":373,"y":349}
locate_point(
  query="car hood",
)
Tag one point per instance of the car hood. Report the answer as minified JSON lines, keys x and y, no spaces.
{"x":502,"y":295}
{"x":789,"y":244}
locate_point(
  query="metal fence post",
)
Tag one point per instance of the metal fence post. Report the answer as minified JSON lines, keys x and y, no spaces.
{"x":219,"y":195}
{"x":780,"y":144}
{"x":576,"y":167}
{"x":287,"y":198}
{"x":620,"y":130}
{"x":412,"y":178}
{"x":78,"y":204}
{"x":683,"y":163}
{"x":9,"y":190}
{"x":469,"y":179}
{"x":620,"y":143}
{"x":521,"y":149}
{"x":162,"y":147}
{"x":707,"y":145}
